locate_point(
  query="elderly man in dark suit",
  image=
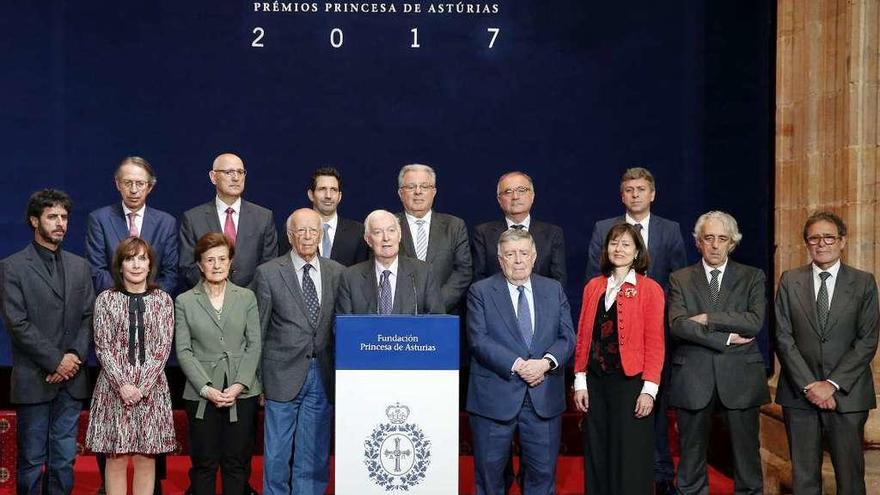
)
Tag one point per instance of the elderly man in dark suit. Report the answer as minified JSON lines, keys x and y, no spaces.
{"x":250,"y":228}
{"x":521,"y":335}
{"x":46,"y":299}
{"x":715,"y":309}
{"x":439,"y":239}
{"x":296,"y":294}
{"x":666,"y":247}
{"x":388,"y":283}
{"x":516,"y":193}
{"x":826,"y":337}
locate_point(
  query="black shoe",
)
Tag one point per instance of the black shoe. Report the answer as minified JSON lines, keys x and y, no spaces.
{"x":664,"y":487}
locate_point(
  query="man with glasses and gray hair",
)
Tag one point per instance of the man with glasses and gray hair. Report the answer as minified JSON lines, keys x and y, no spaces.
{"x":826,"y":338}
{"x":439,"y":239}
{"x":249,"y":227}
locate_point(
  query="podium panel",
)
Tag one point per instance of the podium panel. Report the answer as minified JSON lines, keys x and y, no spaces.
{"x":396,"y":404}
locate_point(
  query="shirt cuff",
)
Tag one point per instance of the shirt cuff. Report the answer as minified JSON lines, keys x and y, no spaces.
{"x":204,"y":391}
{"x":650,"y":388}
{"x":729,"y":336}
{"x":555,"y":362}
{"x":515,"y":364}
{"x":833,"y":383}
{"x":580,"y":380}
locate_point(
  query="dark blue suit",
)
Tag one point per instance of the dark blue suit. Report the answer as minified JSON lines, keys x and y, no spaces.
{"x":499,"y":401}
{"x":107,"y":227}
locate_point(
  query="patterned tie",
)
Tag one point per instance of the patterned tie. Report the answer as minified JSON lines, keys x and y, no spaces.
{"x":822,"y":304}
{"x":229,"y":227}
{"x":524,"y":316}
{"x":325,"y":242}
{"x":518,"y":226}
{"x":421,"y":240}
{"x":385,"y":298}
{"x":132,"y":226}
{"x":714,"y":287}
{"x":311,"y":295}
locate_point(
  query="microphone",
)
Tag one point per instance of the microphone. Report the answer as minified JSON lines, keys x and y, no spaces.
{"x":412,"y":279}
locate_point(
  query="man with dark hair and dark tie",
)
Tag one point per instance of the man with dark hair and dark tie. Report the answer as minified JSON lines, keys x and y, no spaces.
{"x":46,"y":299}
{"x":666,"y":247}
{"x":249,"y":227}
{"x":342,"y":239}
{"x":826,"y":337}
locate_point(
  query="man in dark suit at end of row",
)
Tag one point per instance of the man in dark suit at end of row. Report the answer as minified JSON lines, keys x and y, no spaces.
{"x":826,"y":337}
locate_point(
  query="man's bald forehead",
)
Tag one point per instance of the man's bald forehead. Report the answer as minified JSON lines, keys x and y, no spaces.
{"x":301,"y":215}
{"x":227,"y":158}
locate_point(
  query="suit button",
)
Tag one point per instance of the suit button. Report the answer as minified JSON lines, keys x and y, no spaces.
{"x":824,"y":340}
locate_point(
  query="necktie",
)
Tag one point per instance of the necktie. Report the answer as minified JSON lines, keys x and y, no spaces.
{"x":518,"y":226}
{"x":639,"y":228}
{"x":229,"y":226}
{"x":385,"y":293}
{"x":524,"y":316}
{"x":714,"y":287}
{"x":132,"y":226}
{"x":421,"y":240}
{"x":310,"y":294}
{"x":325,"y":242}
{"x":822,"y":303}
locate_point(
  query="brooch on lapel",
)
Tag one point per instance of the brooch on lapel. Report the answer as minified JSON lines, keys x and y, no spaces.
{"x":629,"y":293}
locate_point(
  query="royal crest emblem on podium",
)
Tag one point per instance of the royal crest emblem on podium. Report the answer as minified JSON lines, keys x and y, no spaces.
{"x":397,"y":454}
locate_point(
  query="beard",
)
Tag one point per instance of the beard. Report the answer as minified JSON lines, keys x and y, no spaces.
{"x":48,"y":236}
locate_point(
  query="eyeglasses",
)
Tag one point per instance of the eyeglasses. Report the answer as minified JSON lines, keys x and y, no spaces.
{"x":828,"y":240}
{"x":413,"y":187}
{"x":301,"y":232}
{"x":232,"y":172}
{"x":520,"y":190}
{"x":137,"y":184}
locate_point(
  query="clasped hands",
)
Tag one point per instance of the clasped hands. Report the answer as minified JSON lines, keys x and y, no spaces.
{"x":821,"y":394}
{"x":532,"y":371}
{"x":227,"y":397}
{"x":735,"y":338}
{"x":67,"y":369}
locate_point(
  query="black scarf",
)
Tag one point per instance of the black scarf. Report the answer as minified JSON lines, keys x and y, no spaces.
{"x":136,"y":309}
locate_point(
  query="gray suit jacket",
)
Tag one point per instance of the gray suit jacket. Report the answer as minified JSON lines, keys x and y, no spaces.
{"x":43,"y":325}
{"x":289,"y":338}
{"x":703,"y":362}
{"x":842,"y":353}
{"x":212,"y":350}
{"x":256,"y":241}
{"x":449,"y":255}
{"x":416,"y":291}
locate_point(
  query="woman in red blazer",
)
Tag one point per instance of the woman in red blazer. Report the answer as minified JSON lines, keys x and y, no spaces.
{"x":620,"y":347}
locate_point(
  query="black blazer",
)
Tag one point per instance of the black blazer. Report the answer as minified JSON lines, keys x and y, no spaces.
{"x":43,"y":325}
{"x":416,"y":290}
{"x":549,"y":241}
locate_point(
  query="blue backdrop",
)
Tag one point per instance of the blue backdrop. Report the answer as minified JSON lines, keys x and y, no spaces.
{"x":571,"y":92}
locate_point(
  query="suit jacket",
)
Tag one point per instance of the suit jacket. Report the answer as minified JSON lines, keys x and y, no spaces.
{"x":43,"y":324}
{"x":842,"y":353}
{"x":449,"y":255}
{"x":289,"y":338}
{"x":549,"y":240}
{"x":107,"y":227}
{"x":255,"y":243}
{"x":217,"y":350}
{"x":495,"y":343}
{"x":665,"y":246}
{"x":639,"y":326}
{"x":416,"y":291}
{"x":703,"y":362}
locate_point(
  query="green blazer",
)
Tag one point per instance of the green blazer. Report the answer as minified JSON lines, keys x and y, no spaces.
{"x":213,"y":349}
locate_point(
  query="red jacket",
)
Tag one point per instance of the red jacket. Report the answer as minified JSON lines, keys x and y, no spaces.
{"x":639,"y":326}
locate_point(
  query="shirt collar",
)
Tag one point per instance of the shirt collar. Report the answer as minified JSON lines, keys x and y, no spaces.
{"x":632,"y":221}
{"x":525,"y":223}
{"x":513,"y":287}
{"x":45,"y":253}
{"x":299,"y":263}
{"x":393,"y":268}
{"x":221,"y":206}
{"x":126,"y":210}
{"x":630,"y":278}
{"x":332,"y":222}
{"x":413,"y":219}
{"x":708,"y":269}
{"x":832,"y":270}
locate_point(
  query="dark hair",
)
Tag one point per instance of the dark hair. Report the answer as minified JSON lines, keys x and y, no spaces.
{"x":210,"y":241}
{"x":825,"y":216}
{"x":43,"y":199}
{"x":126,"y":249}
{"x":325,"y":172}
{"x":642,"y":259}
{"x":138,"y":162}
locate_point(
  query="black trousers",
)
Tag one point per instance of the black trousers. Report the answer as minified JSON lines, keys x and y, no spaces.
{"x":618,"y":447}
{"x":214,"y":443}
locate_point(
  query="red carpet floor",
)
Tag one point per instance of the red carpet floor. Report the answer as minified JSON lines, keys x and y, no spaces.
{"x":569,"y":476}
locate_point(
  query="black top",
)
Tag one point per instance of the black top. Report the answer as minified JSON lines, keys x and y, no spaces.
{"x":604,"y":352}
{"x":52,"y":261}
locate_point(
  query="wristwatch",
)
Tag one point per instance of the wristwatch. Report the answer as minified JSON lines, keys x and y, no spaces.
{"x":550,"y":362}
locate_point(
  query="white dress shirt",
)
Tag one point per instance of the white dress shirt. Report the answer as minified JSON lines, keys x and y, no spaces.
{"x":645,"y":223}
{"x":830,"y":282}
{"x":314,"y":272}
{"x":525,"y":223}
{"x":392,"y":278}
{"x":331,"y":232}
{"x":413,"y":228}
{"x":221,"y":212}
{"x":138,"y":218}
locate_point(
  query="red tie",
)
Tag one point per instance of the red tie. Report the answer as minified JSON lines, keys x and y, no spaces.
{"x":229,"y":227}
{"x":132,"y":227}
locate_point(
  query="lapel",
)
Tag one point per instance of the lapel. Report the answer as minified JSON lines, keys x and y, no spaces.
{"x":369,"y":288}
{"x":38,"y":266}
{"x":205,"y":303}
{"x":288,"y":274}
{"x":341,"y":230}
{"x":501,"y":299}
{"x":654,"y":236}
{"x":119,"y":222}
{"x":406,"y":240}
{"x":728,"y":280}
{"x":842,"y":297}
{"x":327,"y":295}
{"x":148,"y":226}
{"x":245,"y":224}
{"x":803,"y":281}
{"x":213,"y":221}
{"x":698,"y":280}
{"x":435,"y":232}
{"x":403,"y":287}
{"x":69,"y":278}
{"x":540,"y":311}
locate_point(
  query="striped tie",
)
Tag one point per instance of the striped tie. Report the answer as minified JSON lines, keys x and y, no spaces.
{"x":421,"y":240}
{"x":714,"y":287}
{"x":385,"y":298}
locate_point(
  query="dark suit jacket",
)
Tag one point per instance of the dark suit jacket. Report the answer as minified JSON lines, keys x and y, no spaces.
{"x":449,"y":255}
{"x":43,"y":325}
{"x":255,"y":243}
{"x":702,"y":362}
{"x":415,"y":289}
{"x":842,"y":353}
{"x":665,"y":245}
{"x":496,"y":342}
{"x":107,"y":227}
{"x":549,"y":241}
{"x":289,"y":338}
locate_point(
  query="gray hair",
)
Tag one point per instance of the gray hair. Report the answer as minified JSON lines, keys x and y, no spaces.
{"x":511,"y":235}
{"x":416,"y":167}
{"x":509,"y":174}
{"x":375,"y":213}
{"x":726,"y":220}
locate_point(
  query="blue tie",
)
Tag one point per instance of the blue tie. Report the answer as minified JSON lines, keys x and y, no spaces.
{"x":524,"y":316}
{"x":385,"y":298}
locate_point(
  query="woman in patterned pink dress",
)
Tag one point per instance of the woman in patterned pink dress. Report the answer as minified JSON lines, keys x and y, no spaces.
{"x":130,"y":417}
